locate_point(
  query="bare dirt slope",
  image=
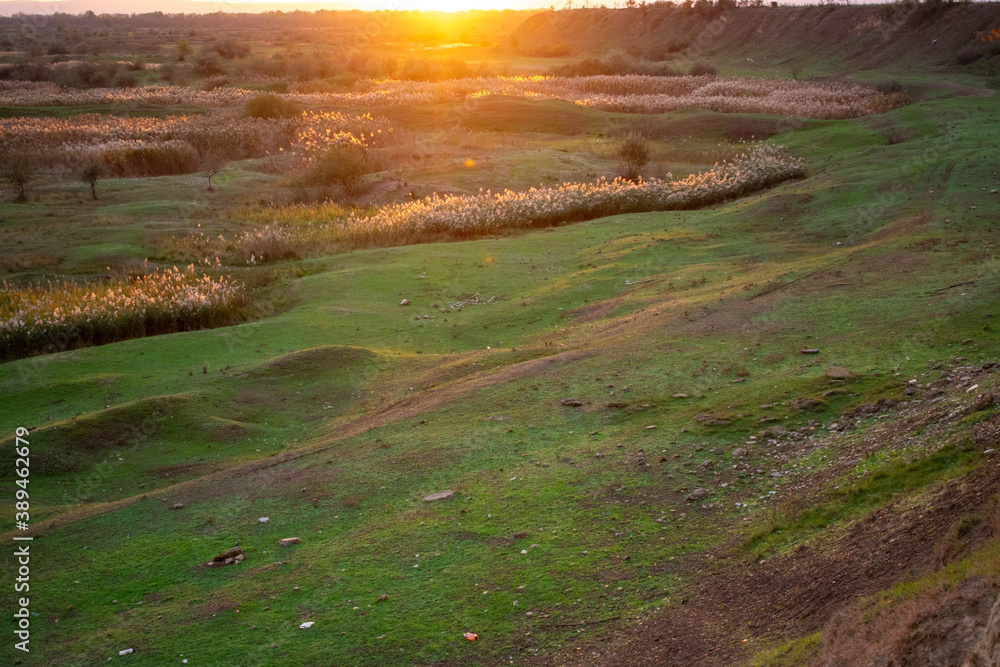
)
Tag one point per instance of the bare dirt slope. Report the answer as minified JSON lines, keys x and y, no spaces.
{"x":859,"y":37}
{"x":835,"y":582}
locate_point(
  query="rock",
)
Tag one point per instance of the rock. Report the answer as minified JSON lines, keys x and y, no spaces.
{"x":307,"y":624}
{"x":404,"y":302}
{"x":803,"y":404}
{"x":178,"y":506}
{"x":909,"y":391}
{"x":707,"y":464}
{"x":126,"y":651}
{"x":682,"y":395}
{"x":834,"y":426}
{"x":288,"y":541}
{"x":777,"y":430}
{"x":439,"y":495}
{"x":571,"y":402}
{"x":697,"y":494}
{"x":228,"y":554}
{"x":709,"y":419}
{"x":809,"y":350}
{"x":838,"y":373}
{"x":264,"y":519}
{"x":739,"y":452}
{"x":985,"y":402}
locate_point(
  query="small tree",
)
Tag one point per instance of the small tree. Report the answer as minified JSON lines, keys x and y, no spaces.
{"x":212,"y":163}
{"x":18,"y":173}
{"x":92,"y":173}
{"x":632,"y":154}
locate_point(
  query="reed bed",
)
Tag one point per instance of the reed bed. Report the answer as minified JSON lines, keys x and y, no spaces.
{"x":55,"y":316}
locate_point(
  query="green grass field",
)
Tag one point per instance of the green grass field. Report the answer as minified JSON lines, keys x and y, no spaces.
{"x":338,"y":409}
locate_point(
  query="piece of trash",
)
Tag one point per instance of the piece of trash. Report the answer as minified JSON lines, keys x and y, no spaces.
{"x":307,"y":624}
{"x":264,"y":519}
{"x":471,"y":636}
{"x":126,"y":651}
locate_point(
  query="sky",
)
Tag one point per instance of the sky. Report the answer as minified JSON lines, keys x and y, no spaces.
{"x":8,"y":7}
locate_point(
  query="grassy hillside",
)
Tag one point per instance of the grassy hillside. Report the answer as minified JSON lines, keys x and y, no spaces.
{"x":758,"y":433}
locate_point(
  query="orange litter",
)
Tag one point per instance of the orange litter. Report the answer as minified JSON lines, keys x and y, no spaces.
{"x":471,"y":636}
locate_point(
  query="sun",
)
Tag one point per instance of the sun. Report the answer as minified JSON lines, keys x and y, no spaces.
{"x":447,"y":5}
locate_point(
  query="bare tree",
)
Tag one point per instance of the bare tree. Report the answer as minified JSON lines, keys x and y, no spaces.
{"x":212,"y":164}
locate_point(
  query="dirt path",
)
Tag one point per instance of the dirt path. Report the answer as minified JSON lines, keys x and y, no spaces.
{"x":961,"y":90}
{"x":399,"y":410}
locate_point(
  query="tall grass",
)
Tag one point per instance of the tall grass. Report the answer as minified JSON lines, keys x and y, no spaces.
{"x":629,"y":93}
{"x":39,"y":319}
{"x":463,"y":217}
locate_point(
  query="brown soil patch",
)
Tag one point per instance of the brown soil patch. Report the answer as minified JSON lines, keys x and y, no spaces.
{"x":215,"y":606}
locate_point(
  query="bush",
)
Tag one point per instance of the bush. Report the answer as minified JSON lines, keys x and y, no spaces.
{"x":632,"y":155}
{"x":343,"y":165}
{"x":124,"y":79}
{"x":270,"y":107}
{"x":702,"y":68}
{"x":888,"y":87}
{"x":615,"y":62}
{"x":207,"y":63}
{"x":230,"y":48}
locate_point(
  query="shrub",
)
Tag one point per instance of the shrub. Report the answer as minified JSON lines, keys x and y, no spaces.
{"x":888,"y":87}
{"x":270,"y":107}
{"x":207,"y":63}
{"x":124,"y":79}
{"x":229,"y":48}
{"x":343,"y":165}
{"x":632,"y":154}
{"x":615,"y":62}
{"x":702,"y":68}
